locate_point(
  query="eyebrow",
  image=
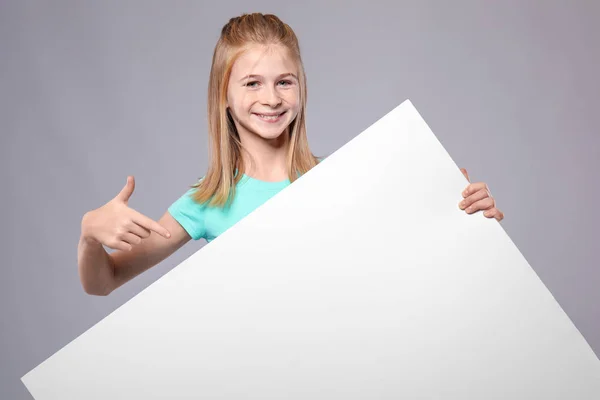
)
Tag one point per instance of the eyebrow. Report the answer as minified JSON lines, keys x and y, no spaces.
{"x":279,"y":77}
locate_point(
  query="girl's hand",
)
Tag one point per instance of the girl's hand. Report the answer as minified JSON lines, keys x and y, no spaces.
{"x":117,"y":226}
{"x":477,"y":196}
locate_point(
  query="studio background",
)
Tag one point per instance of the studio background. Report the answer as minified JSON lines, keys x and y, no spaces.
{"x":91,"y":92}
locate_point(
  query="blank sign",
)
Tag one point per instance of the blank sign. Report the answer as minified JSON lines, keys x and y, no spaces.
{"x":361,"y":280}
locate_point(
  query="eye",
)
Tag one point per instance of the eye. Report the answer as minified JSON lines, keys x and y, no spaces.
{"x":251,"y":84}
{"x":286,"y":82}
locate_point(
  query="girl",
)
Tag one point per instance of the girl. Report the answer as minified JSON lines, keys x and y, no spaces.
{"x":257,"y":131}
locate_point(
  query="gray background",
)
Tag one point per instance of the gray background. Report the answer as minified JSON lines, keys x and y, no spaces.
{"x":93,"y":91}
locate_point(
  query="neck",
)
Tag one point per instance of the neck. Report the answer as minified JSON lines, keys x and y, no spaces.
{"x":265,"y":159}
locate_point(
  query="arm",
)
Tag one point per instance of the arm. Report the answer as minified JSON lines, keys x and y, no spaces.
{"x":101,"y":273}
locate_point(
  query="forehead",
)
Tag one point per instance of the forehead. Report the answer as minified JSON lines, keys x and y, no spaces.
{"x":264,"y":60}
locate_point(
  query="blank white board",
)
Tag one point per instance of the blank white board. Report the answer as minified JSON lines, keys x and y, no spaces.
{"x":361,"y":280}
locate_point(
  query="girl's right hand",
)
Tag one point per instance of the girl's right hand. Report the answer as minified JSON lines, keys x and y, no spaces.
{"x":117,"y":226}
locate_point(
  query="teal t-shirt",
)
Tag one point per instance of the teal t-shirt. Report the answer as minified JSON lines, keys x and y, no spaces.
{"x":204,"y":222}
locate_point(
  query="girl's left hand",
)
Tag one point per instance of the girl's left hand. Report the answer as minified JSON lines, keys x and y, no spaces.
{"x":477,"y":196}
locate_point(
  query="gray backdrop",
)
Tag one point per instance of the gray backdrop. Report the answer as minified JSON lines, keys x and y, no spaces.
{"x":94,"y":91}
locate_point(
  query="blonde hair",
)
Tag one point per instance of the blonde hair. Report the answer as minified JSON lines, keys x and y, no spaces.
{"x":226,"y":168}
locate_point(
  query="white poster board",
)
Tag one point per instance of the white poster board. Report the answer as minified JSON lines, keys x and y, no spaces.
{"x":361,"y":280}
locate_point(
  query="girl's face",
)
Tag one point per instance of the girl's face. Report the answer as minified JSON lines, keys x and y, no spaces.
{"x":263,"y":92}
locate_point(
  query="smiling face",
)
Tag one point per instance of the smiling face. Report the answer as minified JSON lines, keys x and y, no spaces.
{"x":263,"y":92}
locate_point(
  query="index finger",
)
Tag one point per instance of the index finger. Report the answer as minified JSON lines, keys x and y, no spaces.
{"x":150,"y":224}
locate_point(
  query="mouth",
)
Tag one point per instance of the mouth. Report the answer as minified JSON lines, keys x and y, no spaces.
{"x":270,"y":117}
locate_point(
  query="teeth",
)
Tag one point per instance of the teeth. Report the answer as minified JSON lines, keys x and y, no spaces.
{"x":269,"y":117}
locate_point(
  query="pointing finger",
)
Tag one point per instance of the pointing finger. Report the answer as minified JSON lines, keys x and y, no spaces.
{"x":150,"y":224}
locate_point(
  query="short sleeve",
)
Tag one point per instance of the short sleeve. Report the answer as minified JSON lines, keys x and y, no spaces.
{"x":189,"y":214}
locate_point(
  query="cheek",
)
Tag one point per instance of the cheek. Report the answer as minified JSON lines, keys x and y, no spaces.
{"x":236,"y":99}
{"x":296,"y":108}
{"x":244,"y":102}
{"x":292,"y":99}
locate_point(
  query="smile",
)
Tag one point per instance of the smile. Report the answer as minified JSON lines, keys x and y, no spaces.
{"x":270,"y":117}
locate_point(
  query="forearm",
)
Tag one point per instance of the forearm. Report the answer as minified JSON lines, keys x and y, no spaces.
{"x":95,"y":267}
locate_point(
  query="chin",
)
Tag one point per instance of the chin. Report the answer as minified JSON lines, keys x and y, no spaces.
{"x":272,"y":133}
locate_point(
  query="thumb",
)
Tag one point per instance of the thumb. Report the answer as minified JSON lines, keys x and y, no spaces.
{"x":465,"y":173}
{"x":127,"y":190}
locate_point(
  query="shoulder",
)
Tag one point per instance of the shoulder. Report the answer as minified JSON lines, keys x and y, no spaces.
{"x":189,"y":213}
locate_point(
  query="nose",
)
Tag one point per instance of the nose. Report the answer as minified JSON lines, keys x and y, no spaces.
{"x":271,"y":97}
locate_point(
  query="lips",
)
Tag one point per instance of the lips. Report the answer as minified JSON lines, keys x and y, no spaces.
{"x":270,"y":117}
{"x":270,"y":114}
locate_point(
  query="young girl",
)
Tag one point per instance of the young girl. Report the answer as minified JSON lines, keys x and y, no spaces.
{"x":257,"y":130}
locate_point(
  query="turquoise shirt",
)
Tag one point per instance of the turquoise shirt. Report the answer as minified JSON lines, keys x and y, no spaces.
{"x":204,"y":222}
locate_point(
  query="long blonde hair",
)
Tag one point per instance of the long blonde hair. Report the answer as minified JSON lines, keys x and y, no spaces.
{"x":225,"y":169}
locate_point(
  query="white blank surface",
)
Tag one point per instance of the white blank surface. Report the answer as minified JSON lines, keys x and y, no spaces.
{"x":361,"y":280}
